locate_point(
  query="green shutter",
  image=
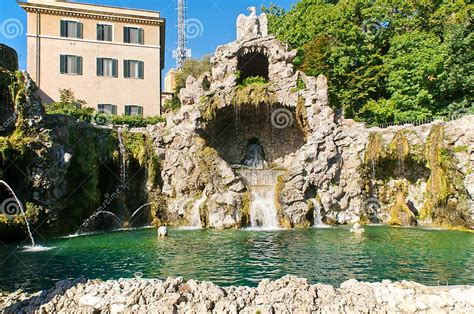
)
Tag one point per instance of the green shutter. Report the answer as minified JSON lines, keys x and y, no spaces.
{"x":100,"y":107}
{"x":140,"y":111}
{"x":100,"y":32}
{"x":126,"y":35}
{"x":79,"y":29}
{"x":127,"y":110}
{"x":110,"y":34}
{"x":115,"y":68}
{"x":141,"y":70}
{"x":63,"y":29}
{"x":140,"y":36}
{"x":62,"y":64}
{"x":126,"y":68}
{"x":79,"y":65}
{"x":114,"y":110}
{"x":100,"y":67}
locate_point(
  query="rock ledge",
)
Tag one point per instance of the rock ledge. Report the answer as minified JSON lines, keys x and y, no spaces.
{"x":286,"y":295}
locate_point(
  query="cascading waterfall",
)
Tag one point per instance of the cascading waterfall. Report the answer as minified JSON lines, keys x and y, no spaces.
{"x":123,"y":157}
{"x":317,"y":215}
{"x":261,"y":184}
{"x":196,"y":222}
{"x":33,"y":244}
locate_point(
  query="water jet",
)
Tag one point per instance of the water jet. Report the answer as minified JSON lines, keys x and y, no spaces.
{"x":20,"y":205}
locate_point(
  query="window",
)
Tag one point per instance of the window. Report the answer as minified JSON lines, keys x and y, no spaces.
{"x":133,"y":35}
{"x":104,"y":32}
{"x":71,"y":29}
{"x":131,"y":110}
{"x":70,"y":65}
{"x":107,"y":109}
{"x":133,"y":69}
{"x":107,"y":67}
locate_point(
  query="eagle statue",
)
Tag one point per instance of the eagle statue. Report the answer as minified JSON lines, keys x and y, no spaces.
{"x":252,"y":26}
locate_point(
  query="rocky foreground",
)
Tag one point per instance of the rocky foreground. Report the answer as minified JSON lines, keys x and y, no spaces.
{"x":286,"y":295}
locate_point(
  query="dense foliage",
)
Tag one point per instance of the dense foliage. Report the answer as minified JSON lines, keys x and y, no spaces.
{"x":389,"y":60}
{"x":69,"y":105}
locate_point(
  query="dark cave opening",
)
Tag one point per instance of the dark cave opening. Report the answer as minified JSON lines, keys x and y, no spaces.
{"x":235,"y":128}
{"x":252,"y":64}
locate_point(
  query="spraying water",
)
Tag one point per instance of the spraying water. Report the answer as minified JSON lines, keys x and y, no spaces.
{"x":139,"y":208}
{"x":22,"y":212}
{"x":87,"y":223}
{"x":123,"y":157}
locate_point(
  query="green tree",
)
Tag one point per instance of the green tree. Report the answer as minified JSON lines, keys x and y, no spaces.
{"x":67,"y":103}
{"x":194,"y":67}
{"x":415,"y":64}
{"x":385,"y":60}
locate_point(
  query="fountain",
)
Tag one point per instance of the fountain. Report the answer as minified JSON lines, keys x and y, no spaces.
{"x":94,"y":216}
{"x":22,"y":212}
{"x":254,"y":157}
{"x":261,"y":183}
{"x":135,"y":212}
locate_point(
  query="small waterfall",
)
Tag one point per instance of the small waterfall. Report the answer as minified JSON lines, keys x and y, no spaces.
{"x":33,"y":244}
{"x":196,"y":222}
{"x":372,"y":163}
{"x":318,"y":217}
{"x":123,"y":157}
{"x":262,"y":183}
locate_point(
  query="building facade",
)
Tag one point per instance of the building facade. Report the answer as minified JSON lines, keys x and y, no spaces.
{"x":110,"y":57}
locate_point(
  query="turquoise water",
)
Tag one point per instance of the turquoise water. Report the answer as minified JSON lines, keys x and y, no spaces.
{"x":240,"y":257}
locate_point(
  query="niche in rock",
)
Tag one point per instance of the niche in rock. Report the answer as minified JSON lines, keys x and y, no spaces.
{"x":252,"y":63}
{"x":237,"y":131}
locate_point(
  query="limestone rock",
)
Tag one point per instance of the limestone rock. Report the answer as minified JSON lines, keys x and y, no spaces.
{"x":286,"y":295}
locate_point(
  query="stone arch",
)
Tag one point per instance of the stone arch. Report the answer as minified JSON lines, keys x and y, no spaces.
{"x":234,"y":127}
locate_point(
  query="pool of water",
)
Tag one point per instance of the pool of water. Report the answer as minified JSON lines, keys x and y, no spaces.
{"x":241,"y":257}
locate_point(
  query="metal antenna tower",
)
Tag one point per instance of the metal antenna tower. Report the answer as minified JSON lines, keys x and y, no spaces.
{"x":181,"y":53}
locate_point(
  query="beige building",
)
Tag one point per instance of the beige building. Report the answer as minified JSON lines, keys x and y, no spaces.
{"x":110,"y":57}
{"x":170,"y":81}
{"x":169,"y":86}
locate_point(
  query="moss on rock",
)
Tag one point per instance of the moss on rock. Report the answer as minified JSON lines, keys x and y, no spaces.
{"x":302,"y":116}
{"x":254,"y":94}
{"x":446,"y":197}
{"x":245,"y":210}
{"x":400,"y":214}
{"x":208,"y":106}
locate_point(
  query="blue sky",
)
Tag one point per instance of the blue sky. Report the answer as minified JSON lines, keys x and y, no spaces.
{"x":216,"y":16}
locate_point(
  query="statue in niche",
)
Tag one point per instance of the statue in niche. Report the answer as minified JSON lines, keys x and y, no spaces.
{"x":254,"y":156}
{"x":252,"y":26}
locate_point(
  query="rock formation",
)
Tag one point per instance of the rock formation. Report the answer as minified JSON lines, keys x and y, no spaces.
{"x":187,"y":167}
{"x":286,"y":295}
{"x":351,"y":172}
